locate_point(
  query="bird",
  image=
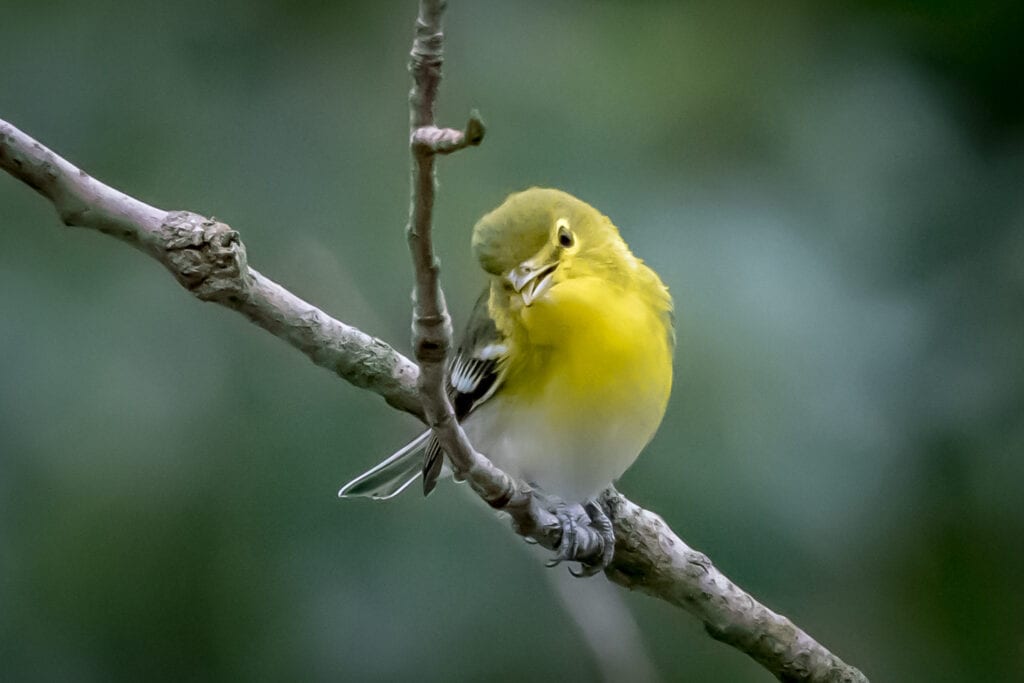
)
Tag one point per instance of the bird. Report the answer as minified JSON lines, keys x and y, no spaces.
{"x":563,"y":373}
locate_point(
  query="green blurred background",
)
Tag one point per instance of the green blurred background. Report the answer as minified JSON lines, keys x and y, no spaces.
{"x":833,"y":193}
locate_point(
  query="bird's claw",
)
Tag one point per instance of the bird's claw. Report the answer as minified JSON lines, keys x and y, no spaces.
{"x":583,"y":528}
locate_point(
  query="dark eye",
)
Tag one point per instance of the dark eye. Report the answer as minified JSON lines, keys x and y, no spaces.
{"x":565,"y":237}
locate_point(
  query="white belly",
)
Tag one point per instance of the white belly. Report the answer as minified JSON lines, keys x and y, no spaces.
{"x":572,"y":461}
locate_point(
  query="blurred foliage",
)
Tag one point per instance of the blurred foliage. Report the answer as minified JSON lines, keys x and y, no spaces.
{"x":831,"y":190}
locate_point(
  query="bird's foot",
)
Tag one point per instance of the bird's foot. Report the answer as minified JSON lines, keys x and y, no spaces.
{"x":587,"y":538}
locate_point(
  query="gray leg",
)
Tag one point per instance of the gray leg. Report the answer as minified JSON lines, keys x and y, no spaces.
{"x":585,"y":529}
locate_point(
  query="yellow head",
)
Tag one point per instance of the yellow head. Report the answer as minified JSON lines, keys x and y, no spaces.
{"x":539,"y":237}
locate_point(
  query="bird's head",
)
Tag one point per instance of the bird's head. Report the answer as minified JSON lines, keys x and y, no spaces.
{"x":540,"y":237}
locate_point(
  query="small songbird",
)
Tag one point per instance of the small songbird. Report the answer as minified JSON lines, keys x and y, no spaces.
{"x":564,"y":370}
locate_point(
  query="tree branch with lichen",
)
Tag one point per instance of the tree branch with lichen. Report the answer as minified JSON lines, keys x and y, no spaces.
{"x":208,"y":258}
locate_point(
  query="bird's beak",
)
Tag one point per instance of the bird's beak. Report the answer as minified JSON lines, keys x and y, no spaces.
{"x":531,"y":279}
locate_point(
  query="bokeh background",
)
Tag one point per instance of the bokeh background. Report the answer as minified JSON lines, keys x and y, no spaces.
{"x":833,"y":193}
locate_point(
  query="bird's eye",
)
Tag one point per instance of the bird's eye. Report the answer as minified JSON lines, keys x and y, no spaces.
{"x":565,"y":236}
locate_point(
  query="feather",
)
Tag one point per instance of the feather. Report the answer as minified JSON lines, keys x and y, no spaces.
{"x":392,"y":476}
{"x":474,"y":373}
{"x":473,"y":376}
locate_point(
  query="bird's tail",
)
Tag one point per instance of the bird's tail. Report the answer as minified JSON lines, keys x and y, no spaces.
{"x":392,"y":476}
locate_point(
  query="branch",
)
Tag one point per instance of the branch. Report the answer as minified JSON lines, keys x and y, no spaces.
{"x":649,"y":557}
{"x":209,"y":260}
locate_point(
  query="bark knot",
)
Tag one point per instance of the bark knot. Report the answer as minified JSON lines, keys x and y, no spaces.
{"x":206,"y":256}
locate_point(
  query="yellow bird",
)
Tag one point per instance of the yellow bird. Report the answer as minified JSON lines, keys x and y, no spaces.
{"x":565,"y":368}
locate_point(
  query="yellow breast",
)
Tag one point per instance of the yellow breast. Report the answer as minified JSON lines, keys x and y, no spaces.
{"x":588,"y":379}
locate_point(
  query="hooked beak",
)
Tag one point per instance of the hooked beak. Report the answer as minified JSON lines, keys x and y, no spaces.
{"x":531,"y":280}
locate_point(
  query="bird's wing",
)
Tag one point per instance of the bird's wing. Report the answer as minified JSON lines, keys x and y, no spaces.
{"x":474,"y":374}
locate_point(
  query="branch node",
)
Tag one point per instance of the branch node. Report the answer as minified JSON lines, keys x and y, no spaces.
{"x":475,"y":128}
{"x":430,"y":350}
{"x":428,"y":140}
{"x":205,"y":256}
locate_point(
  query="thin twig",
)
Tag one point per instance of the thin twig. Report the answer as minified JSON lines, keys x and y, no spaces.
{"x":432,"y":332}
{"x":433,"y":140}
